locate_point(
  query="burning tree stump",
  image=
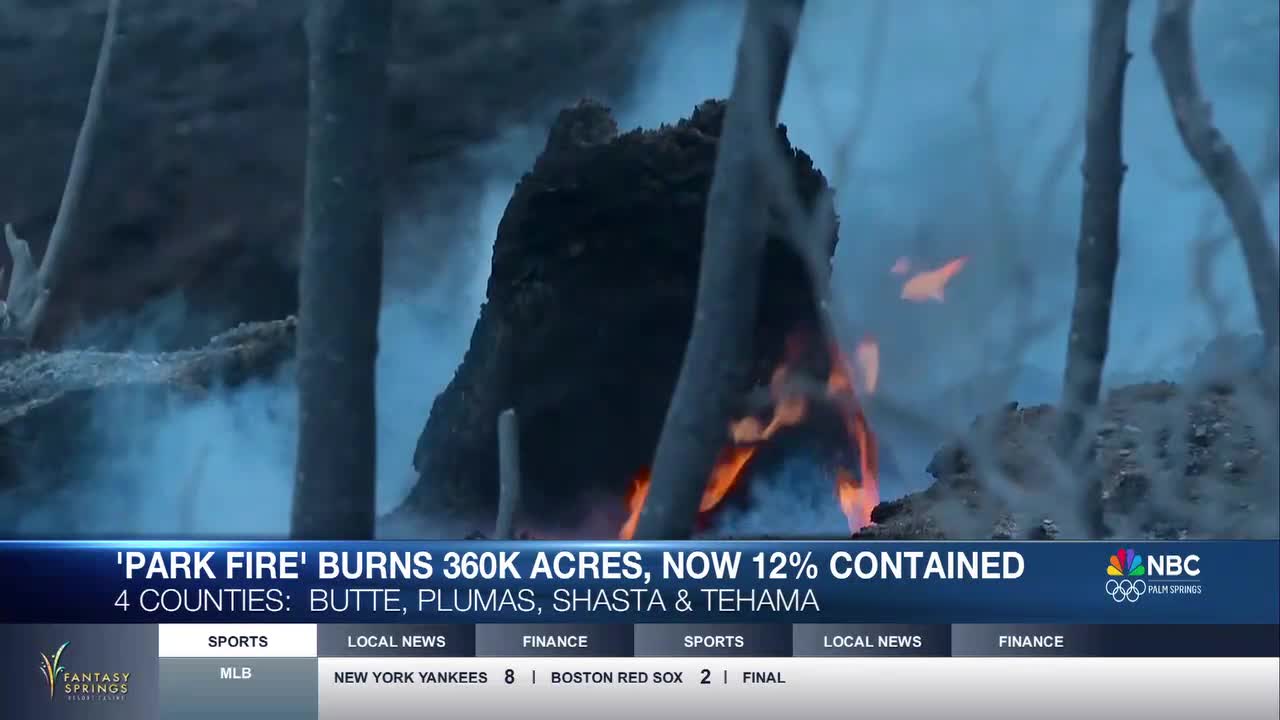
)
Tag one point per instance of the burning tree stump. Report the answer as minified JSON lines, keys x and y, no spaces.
{"x":589,"y":306}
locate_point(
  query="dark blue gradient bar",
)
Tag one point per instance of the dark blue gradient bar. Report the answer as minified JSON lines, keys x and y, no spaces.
{"x":1213,"y":582}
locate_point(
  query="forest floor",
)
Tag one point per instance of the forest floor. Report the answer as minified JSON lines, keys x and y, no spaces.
{"x":1175,"y":462}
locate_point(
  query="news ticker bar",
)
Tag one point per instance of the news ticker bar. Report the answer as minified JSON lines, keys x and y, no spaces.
{"x":286,"y":672}
{"x":677,"y":640}
{"x":1200,"y":582}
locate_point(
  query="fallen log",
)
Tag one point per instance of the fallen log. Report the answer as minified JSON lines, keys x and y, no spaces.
{"x":43,"y":393}
{"x":33,"y":380}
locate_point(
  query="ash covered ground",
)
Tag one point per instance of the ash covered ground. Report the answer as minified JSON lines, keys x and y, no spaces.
{"x":130,"y":424}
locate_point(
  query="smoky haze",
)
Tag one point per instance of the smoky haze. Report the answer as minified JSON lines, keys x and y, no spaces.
{"x":928,"y":177}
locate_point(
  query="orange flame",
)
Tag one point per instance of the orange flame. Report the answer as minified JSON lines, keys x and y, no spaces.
{"x":857,"y":494}
{"x":931,"y":284}
{"x":857,"y":500}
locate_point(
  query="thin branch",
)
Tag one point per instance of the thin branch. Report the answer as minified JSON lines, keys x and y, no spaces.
{"x":1035,"y":128}
{"x":1209,"y":243}
{"x":1172,"y":47}
{"x":29,"y":286}
{"x":848,"y":145}
{"x":1207,"y":246}
{"x":1059,"y":162}
{"x":737,"y":224}
{"x":22,"y":283}
{"x":189,"y":497}
{"x":1098,"y":249}
{"x":1268,"y":169}
{"x":1006,"y":221}
{"x":999,"y":179}
{"x":508,"y":473}
{"x":872,"y":64}
{"x":81,"y":158}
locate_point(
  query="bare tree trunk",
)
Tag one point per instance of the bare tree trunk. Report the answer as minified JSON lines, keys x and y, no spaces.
{"x":30,"y":286}
{"x":736,"y":229}
{"x":341,"y":274}
{"x":1171,"y":45}
{"x":508,"y":473}
{"x":1098,"y":249}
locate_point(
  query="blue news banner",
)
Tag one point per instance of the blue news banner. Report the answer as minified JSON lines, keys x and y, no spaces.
{"x":1207,"y":583}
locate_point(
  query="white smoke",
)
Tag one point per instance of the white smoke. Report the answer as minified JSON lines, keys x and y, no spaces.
{"x":223,"y":464}
{"x":918,"y":187}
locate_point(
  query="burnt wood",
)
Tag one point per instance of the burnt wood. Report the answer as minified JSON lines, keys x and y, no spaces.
{"x":587,"y":313}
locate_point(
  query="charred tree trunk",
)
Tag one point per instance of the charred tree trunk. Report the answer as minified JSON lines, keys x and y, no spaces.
{"x":341,"y":276}
{"x":736,"y":227}
{"x":1175,"y":57}
{"x":1098,"y":251}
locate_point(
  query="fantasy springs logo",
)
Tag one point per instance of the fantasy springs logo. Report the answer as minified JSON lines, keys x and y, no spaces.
{"x":1131,"y":576}
{"x":81,"y":686}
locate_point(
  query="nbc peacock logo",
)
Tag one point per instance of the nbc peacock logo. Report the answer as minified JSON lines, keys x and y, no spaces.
{"x":52,"y":668}
{"x":1126,"y":571}
{"x":1126,"y":563}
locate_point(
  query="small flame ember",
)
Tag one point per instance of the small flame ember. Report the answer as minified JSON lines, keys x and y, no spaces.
{"x":901,"y":266}
{"x":856,"y":493}
{"x":930,"y":284}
